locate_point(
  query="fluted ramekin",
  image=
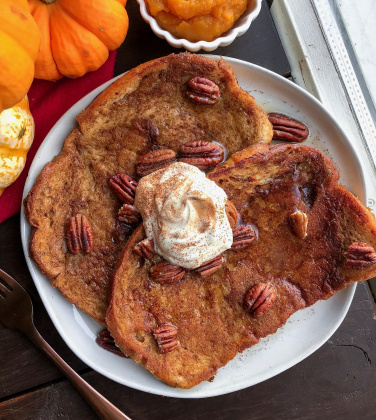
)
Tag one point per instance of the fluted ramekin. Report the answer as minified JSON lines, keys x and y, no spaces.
{"x":239,"y":28}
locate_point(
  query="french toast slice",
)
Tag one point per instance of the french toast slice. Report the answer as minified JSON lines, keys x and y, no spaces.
{"x":266,"y":185}
{"x":112,"y":133}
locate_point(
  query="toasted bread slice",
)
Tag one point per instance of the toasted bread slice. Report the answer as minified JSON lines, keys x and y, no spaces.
{"x":109,"y":141}
{"x":266,"y":186}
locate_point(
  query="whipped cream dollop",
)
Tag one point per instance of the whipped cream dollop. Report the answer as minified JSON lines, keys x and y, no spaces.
{"x":184,"y":213}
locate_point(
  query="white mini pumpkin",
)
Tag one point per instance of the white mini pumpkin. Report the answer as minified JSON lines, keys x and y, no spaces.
{"x":16,"y":136}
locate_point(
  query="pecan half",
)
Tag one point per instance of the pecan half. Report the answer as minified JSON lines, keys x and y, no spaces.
{"x":243,"y":236}
{"x":154,"y":160}
{"x":210,"y":267}
{"x":166,"y":273}
{"x":148,"y":127}
{"x":203,"y":91}
{"x":106,"y":341}
{"x":287,"y":129}
{"x":166,"y":336}
{"x":129,"y":214}
{"x":299,"y":224}
{"x":145,"y":248}
{"x":360,"y":255}
{"x":203,"y":154}
{"x":259,"y":299}
{"x":232,"y":214}
{"x":79,"y":235}
{"x":124,"y":187}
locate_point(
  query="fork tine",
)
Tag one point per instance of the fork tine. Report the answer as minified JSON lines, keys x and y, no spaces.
{"x":16,"y":308}
{"x":3,"y":291}
{"x":4,"y":286}
{"x":8,"y":280}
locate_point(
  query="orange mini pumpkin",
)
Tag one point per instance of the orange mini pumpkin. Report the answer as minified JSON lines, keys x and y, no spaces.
{"x":16,"y":136}
{"x":76,"y":36}
{"x":19,"y":45}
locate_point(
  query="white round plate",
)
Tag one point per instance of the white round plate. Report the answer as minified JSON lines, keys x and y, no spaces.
{"x":304,"y":332}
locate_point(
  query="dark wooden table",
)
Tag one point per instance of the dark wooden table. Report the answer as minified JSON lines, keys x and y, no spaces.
{"x":338,"y":381}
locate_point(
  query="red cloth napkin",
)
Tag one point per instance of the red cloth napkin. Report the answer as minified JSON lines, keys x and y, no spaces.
{"x":48,"y":102}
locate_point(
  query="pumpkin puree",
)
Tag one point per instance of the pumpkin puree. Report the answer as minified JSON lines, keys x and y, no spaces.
{"x":196,"y":20}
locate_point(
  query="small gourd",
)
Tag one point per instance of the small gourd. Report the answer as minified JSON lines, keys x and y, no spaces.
{"x":16,"y":136}
{"x":77,"y":35}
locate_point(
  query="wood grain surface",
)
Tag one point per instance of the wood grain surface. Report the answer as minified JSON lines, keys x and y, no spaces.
{"x":338,"y":381}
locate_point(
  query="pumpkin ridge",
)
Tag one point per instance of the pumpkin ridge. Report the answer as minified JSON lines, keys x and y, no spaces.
{"x":77,"y":35}
{"x":114,"y":4}
{"x":73,"y":17}
{"x":20,"y":26}
{"x":45,"y":65}
{"x":19,"y":40}
{"x":67,"y":50}
{"x":21,"y":69}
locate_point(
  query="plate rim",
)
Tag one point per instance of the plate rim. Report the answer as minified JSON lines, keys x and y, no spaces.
{"x":175,"y":392}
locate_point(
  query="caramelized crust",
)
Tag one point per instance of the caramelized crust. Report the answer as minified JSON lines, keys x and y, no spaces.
{"x":145,"y":107}
{"x":266,"y":187}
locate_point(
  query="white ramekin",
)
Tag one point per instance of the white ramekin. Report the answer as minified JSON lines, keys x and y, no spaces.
{"x":239,"y":28}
